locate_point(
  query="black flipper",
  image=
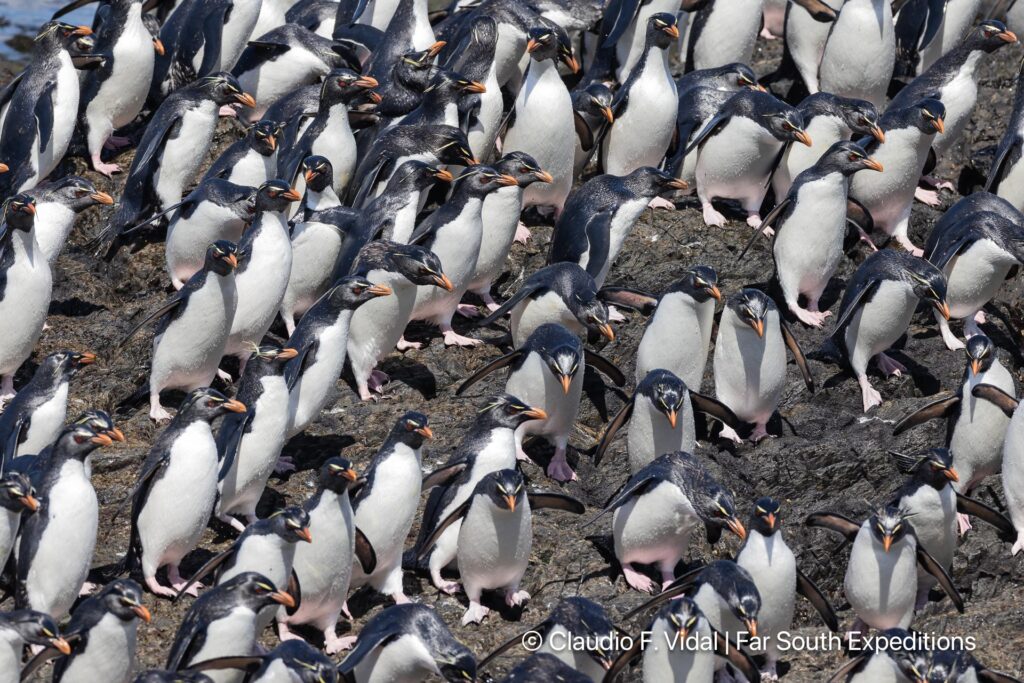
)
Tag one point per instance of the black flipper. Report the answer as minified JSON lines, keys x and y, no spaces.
{"x":990,"y":676}
{"x":294,"y":590}
{"x":526,"y":290}
{"x":833,"y":521}
{"x":442,"y":475}
{"x":975,"y":508}
{"x":707,"y":131}
{"x":365,"y":553}
{"x":488,"y":368}
{"x":997,"y":397}
{"x":677,"y":587}
{"x":766,"y":223}
{"x":457,"y":514}
{"x":595,"y":360}
{"x":629,"y":298}
{"x":798,"y":354}
{"x":555,"y":501}
{"x":211,"y":564}
{"x":931,"y":565}
{"x":1003,"y":155}
{"x":847,"y":313}
{"x":850,"y":667}
{"x":934,"y":410}
{"x":740,"y":660}
{"x":623,"y":661}
{"x":168,"y":306}
{"x":609,"y":433}
{"x":810,"y":590}
{"x":248,"y":663}
{"x":716,"y":409}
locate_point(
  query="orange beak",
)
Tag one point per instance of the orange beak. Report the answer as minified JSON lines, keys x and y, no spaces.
{"x":975,"y":366}
{"x":232,"y":260}
{"x":952,"y":474}
{"x":4,"y":168}
{"x":803,"y":137}
{"x":287,"y":353}
{"x":678,"y":184}
{"x":873,"y":164}
{"x":380,"y":290}
{"x":246,"y":99}
{"x":272,"y":141}
{"x":608,"y":114}
{"x":573,"y":63}
{"x":235,"y":406}
{"x":158,"y":47}
{"x":607,"y":332}
{"x":878,"y":133}
{"x":532,"y":45}
{"x":940,"y":127}
{"x":476,"y":87}
{"x":102,"y":440}
{"x":283,"y":598}
{"x":736,"y":526}
{"x":771,"y":520}
{"x":543,"y":176}
{"x":115,"y":434}
{"x":566,"y":381}
{"x":1007,"y":36}
{"x":30,"y":503}
{"x":714,"y":292}
{"x":86,"y":358}
{"x":536,"y":414}
{"x":366,"y":82}
{"x":292,"y":195}
{"x":305,"y":534}
{"x":425,"y":432}
{"x":442,"y":281}
{"x":436,"y":47}
{"x":444,"y":175}
{"x":672,"y":418}
{"x":507,"y":180}
{"x":309,"y":175}
{"x":142,"y":613}
{"x":62,"y":645}
{"x":886,"y":542}
{"x":30,"y":209}
{"x":758,"y":326}
{"x":102,"y":198}
{"x":943,"y":308}
{"x":751,"y":626}
{"x":82,"y":31}
{"x":671,"y":31}
{"x":511,"y":502}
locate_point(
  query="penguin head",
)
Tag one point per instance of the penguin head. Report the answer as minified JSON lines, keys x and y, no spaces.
{"x":253,"y":590}
{"x":417,"y":264}
{"x":928,"y":283}
{"x":483,"y":30}
{"x":550,"y":41}
{"x":480,"y":181}
{"x":767,"y":516}
{"x":989,"y":36}
{"x":942,"y":666}
{"x":221,"y":257}
{"x":318,"y":172}
{"x":700,"y":282}
{"x":264,"y":135}
{"x":272,"y":356}
{"x":786,"y":123}
{"x":337,"y":474}
{"x":20,"y":212}
{"x":291,"y":524}
{"x":276,"y":196}
{"x":504,"y":488}
{"x":523,"y":167}
{"x":123,"y":598}
{"x":933,"y":467}
{"x":563,"y":362}
{"x":648,"y":181}
{"x":56,"y":35}
{"x":735,"y":585}
{"x":751,"y":307}
{"x":507,"y":411}
{"x":304,"y":663}
{"x":450,"y":85}
{"x":206,"y":404}
{"x":662,"y":31}
{"x":223,"y":89}
{"x":735,"y":76}
{"x":101,"y":423}
{"x":927,"y":116}
{"x":596,"y":102}
{"x":889,"y":526}
{"x":344,"y":85}
{"x":716,"y":508}
{"x":981,"y":353}
{"x":78,"y":193}
{"x":666,"y":392}
{"x":451,"y":147}
{"x":17,"y":494}
{"x":861,"y":117}
{"x":683,"y":615}
{"x":79,"y":440}
{"x":412,"y":429}
{"x":847,"y":157}
{"x":414,"y":69}
{"x":416,"y":176}
{"x":457,"y":667}
{"x":351,"y":292}
{"x":35,"y":628}
{"x":64,"y":364}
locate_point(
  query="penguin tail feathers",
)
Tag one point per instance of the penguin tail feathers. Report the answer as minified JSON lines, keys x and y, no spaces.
{"x":830,"y":351}
{"x":411,"y":560}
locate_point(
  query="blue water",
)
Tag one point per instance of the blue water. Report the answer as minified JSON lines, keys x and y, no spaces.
{"x":26,"y":16}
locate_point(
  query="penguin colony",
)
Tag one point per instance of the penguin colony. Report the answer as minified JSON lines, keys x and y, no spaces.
{"x":384,"y":155}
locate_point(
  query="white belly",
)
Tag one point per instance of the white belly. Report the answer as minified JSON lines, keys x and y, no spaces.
{"x":881,"y":586}
{"x":934,"y":522}
{"x":977,"y":442}
{"x":189,"y":238}
{"x":65,"y":116}
{"x":824,"y":130}
{"x":324,"y":567}
{"x":315,"y":248}
{"x":651,"y":435}
{"x":378,"y":324}
{"x":1013,"y":473}
{"x":232,"y":635}
{"x":109,"y":655}
{"x":974,"y":277}
{"x":641,"y":135}
{"x":860,"y":53}
{"x":261,"y":286}
{"x":494,"y":547}
{"x":773,"y":567}
{"x":46,"y":423}
{"x":403,"y":660}
{"x":546,"y":308}
{"x":535,"y":384}
{"x":121,"y":96}
{"x":805,"y":38}
{"x":677,"y":339}
{"x":499,"y":217}
{"x":315,"y":387}
{"x":879,"y":323}
{"x":272,"y":80}
{"x":667,"y":659}
{"x":179,"y":161}
{"x":735,"y":163}
{"x":654,"y":527}
{"x":750,"y":372}
{"x":25,"y":301}
{"x":52,"y":226}
{"x":728,"y":35}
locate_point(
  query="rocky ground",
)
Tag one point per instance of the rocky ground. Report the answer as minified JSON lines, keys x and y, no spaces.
{"x":826,"y":455}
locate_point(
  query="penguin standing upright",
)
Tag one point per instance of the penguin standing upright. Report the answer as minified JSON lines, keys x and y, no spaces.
{"x":976,"y":251}
{"x":657,"y":511}
{"x":885,"y":658}
{"x":262,"y":276}
{"x":888,"y":196}
{"x":1012,"y":463}
{"x":677,"y":336}
{"x":292,"y":660}
{"x":750,"y":360}
{"x":645,"y":106}
{"x":394,"y":212}
{"x":377,"y":325}
{"x":543,"y":121}
{"x":487,"y":447}
{"x":56,"y":544}
{"x":42,"y":110}
{"x":738,"y":149}
{"x":193,"y":326}
{"x":386,"y":514}
{"x":1005,"y":175}
{"x":35,"y":417}
{"x":252,"y":160}
{"x":547,"y":372}
{"x":103,"y":636}
{"x":723,"y":32}
{"x":810,"y":226}
{"x":495,"y":537}
{"x":476,"y":61}
{"x":26,"y":285}
{"x":592,"y":112}
{"x":876,"y":309}
{"x":176,"y":489}
{"x":249,"y":443}
{"x":17,"y":497}
{"x":58,"y":204}
{"x":860,"y":52}
{"x":113,"y":94}
{"x":323,"y":566}
{"x":806,"y":29}
{"x":408,"y":642}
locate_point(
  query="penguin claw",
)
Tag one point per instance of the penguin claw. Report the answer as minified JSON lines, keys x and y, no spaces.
{"x":224,"y":375}
{"x":334,"y":645}
{"x":104,"y":168}
{"x":810,"y":318}
{"x":661,"y":203}
{"x":468,"y":311}
{"x":404,"y":345}
{"x":640,"y":582}
{"x":475,"y":613}
{"x":869,"y":395}
{"x":88,"y":588}
{"x":228,"y":111}
{"x":963,"y":523}
{"x":452,"y":338}
{"x":927,"y":197}
{"x":516,"y":598}
{"x":156,"y":589}
{"x":284,"y":464}
{"x":561,"y":471}
{"x":522,"y":233}
{"x":449,"y":587}
{"x":713,"y":218}
{"x":614,"y":316}
{"x":754,"y":221}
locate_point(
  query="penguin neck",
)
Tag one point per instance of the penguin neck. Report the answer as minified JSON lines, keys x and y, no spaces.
{"x":324,"y":199}
{"x":25,"y":247}
{"x":828,"y":128}
{"x":544,"y":71}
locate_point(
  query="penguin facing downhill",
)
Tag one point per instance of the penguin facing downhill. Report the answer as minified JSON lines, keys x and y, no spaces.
{"x":876,"y":309}
{"x":407,"y":643}
{"x":1012,"y":464}
{"x":677,"y":336}
{"x":547,"y":372}
{"x":976,"y":428}
{"x":645,"y":106}
{"x":808,"y":252}
{"x":249,"y":443}
{"x":475,"y":59}
{"x":657,"y":510}
{"x":26,"y":285}
{"x":56,"y":543}
{"x":35,"y":417}
{"x":750,"y":360}
{"x":881,"y":577}
{"x":885,"y":659}
{"x":292,"y":660}
{"x":592,"y":113}
{"x":542,"y":123}
{"x":323,"y":566}
{"x":888,"y":196}
{"x":739,"y":147}
{"x":58,"y":203}
{"x":495,"y":537}
{"x":660,"y":415}
{"x":192,"y":329}
{"x":860,"y":52}
{"x":252,"y":160}
{"x":385,"y":506}
{"x":976,"y":251}
{"x":17,"y":498}
{"x":175,"y":491}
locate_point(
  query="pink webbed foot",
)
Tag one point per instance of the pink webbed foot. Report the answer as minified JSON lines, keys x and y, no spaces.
{"x":516,"y":598}
{"x":760,"y":432}
{"x":559,"y":468}
{"x":177,"y":583}
{"x":810,"y":318}
{"x":333,"y":644}
{"x":938,"y":183}
{"x":400,"y":598}
{"x":889,"y":366}
{"x":378,"y":380}
{"x":453,"y":338}
{"x":104,"y":168}
{"x":475,"y":613}
{"x":344,"y":610}
{"x":156,"y":411}
{"x":640,"y":582}
{"x":88,"y":588}
{"x":713,"y":217}
{"x":444,"y":585}
{"x":404,"y":345}
{"x":228,"y":111}
{"x":522,"y":233}
{"x":869,"y":394}
{"x":864,"y":237}
{"x":468,"y":311}
{"x":963,"y":523}
{"x":927,"y":197}
{"x":284,"y":465}
{"x":156,"y":589}
{"x":662,"y":203}
{"x":614,"y":316}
